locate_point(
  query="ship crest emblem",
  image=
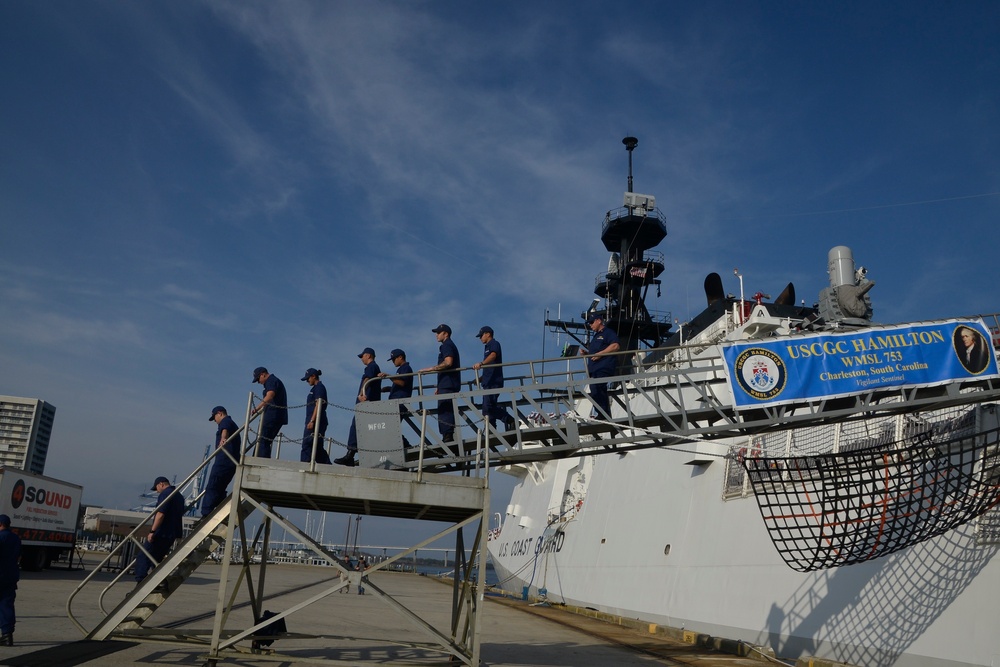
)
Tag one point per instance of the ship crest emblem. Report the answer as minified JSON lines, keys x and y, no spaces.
{"x":761,"y":373}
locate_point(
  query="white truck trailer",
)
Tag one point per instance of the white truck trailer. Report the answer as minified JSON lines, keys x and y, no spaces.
{"x":44,"y":513}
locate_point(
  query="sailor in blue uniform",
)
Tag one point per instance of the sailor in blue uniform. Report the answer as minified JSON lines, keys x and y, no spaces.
{"x":601,"y":363}
{"x":224,"y":466}
{"x":168,"y":524}
{"x":401,"y":384}
{"x":492,"y":377}
{"x":367,"y":391}
{"x":10,"y":574}
{"x":275,"y":407}
{"x":449,"y":380}
{"x":315,"y":413}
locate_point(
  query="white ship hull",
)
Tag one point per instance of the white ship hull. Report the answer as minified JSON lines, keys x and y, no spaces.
{"x":654,"y":540}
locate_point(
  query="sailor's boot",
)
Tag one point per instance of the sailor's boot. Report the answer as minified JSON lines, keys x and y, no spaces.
{"x":347,"y":459}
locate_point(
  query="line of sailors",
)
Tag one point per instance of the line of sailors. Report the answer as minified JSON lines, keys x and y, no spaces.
{"x":601,"y":363}
{"x":273,"y":406}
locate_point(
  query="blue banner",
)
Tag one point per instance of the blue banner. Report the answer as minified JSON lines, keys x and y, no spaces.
{"x":811,"y":366}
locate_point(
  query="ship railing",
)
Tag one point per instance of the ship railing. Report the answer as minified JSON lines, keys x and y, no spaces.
{"x":992,"y":323}
{"x":659,"y":397}
{"x":616,"y":214}
{"x":660,"y":316}
{"x":648,"y":257}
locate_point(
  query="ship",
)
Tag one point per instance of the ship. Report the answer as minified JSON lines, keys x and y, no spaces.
{"x":797,"y":478}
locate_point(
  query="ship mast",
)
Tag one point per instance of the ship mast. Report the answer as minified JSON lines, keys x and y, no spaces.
{"x":630,"y":144}
{"x":628,"y":233}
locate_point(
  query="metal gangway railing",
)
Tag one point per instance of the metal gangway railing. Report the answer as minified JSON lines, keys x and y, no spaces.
{"x":549,"y":413}
{"x":659,"y":397}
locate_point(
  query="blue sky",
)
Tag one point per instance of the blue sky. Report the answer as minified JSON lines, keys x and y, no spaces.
{"x":189,"y":190}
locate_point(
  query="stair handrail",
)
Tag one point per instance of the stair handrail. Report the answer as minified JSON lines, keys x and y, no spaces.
{"x":131,"y":537}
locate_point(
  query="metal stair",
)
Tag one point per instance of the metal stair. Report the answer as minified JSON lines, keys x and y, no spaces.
{"x":170,"y":574}
{"x":259,"y":487}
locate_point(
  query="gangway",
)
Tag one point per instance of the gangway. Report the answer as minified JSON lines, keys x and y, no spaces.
{"x":665,"y":397}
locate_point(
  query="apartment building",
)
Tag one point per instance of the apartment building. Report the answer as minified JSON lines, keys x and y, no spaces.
{"x":25,"y":429}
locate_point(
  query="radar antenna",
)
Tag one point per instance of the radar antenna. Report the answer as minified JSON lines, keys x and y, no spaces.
{"x":630,"y":144}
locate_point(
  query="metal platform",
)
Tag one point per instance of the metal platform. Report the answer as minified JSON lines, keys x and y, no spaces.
{"x":388,"y":493}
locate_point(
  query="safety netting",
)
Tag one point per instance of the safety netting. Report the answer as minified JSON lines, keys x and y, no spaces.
{"x":848,"y":507}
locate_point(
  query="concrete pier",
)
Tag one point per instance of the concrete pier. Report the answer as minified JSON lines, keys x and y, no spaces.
{"x":350,"y":628}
